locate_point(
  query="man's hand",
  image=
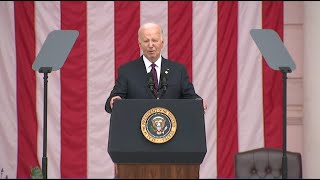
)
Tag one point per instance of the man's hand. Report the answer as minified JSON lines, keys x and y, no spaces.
{"x":114,"y":99}
{"x":204,"y":106}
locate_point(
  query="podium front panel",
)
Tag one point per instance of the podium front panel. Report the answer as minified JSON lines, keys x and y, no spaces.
{"x":127,"y":144}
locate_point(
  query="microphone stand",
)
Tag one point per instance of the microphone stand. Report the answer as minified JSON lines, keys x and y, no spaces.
{"x":164,"y":85}
{"x":284,"y":71}
{"x":151,"y":85}
{"x":45,"y":71}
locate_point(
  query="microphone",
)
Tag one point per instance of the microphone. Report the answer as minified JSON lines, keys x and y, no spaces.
{"x":164,"y":81}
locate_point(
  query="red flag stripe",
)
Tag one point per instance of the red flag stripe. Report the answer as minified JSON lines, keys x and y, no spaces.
{"x":180,"y":33}
{"x":74,"y":94}
{"x":272,"y":14}
{"x":227,"y":129}
{"x":26,"y":88}
{"x":126,"y":25}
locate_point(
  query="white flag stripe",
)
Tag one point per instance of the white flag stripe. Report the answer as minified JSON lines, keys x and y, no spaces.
{"x":47,"y":19}
{"x":204,"y":66}
{"x":100,"y":83}
{"x":8,"y":92}
{"x":156,"y":11}
{"x":250,"y":107}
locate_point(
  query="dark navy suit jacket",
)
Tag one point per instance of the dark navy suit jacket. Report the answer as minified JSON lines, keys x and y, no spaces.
{"x":132,"y":82}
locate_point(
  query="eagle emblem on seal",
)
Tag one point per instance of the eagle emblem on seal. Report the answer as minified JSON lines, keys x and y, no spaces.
{"x":158,"y":124}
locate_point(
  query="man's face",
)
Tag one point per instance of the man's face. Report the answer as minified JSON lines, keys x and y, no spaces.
{"x":151,"y":43}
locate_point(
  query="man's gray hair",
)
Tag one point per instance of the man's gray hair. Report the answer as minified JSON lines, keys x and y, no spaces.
{"x":149,"y":24}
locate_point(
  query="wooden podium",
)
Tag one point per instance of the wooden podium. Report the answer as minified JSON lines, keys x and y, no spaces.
{"x":157,"y":171}
{"x":136,"y":157}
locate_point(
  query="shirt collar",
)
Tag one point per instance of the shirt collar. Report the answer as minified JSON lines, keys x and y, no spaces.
{"x":148,"y":63}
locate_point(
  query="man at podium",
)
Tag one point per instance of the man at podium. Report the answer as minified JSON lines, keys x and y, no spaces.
{"x":151,"y":76}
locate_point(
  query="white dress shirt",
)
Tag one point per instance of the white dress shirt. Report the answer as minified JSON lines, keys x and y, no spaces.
{"x":147,"y":63}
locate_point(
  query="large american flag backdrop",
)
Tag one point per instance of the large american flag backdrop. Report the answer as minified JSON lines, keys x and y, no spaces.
{"x":211,"y":39}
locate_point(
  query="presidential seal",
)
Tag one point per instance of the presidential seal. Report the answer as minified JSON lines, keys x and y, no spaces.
{"x":158,"y":125}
